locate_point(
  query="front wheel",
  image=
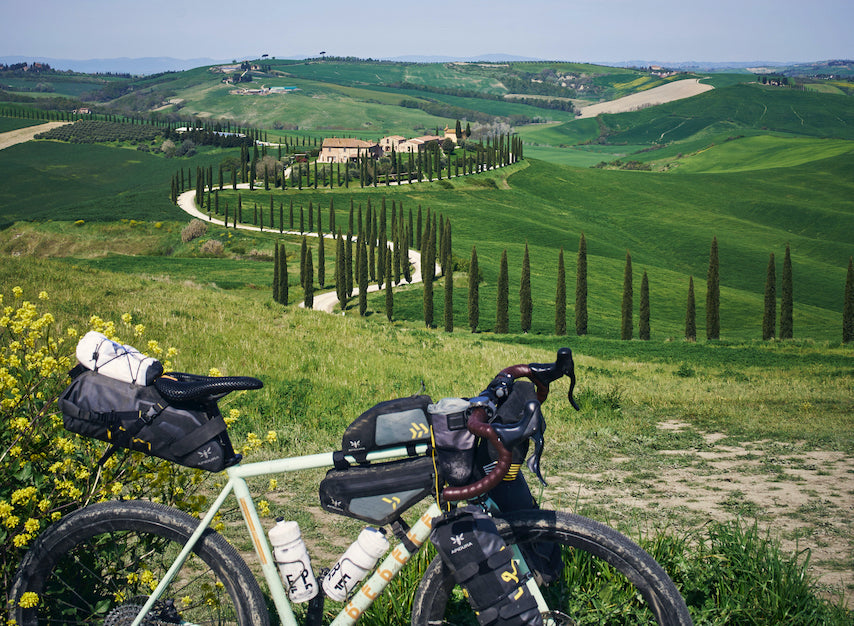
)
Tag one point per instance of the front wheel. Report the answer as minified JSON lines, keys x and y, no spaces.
{"x":606,"y":578}
{"x":100,"y":564}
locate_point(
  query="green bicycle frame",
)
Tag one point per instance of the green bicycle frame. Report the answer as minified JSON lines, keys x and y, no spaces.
{"x":368,"y":592}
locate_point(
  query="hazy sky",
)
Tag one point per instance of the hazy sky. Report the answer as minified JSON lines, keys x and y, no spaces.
{"x":571,"y":30}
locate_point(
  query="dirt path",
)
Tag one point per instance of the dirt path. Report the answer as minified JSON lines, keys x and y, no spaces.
{"x":802,"y":497}
{"x":658,"y":95}
{"x":22,"y":135}
{"x":326,"y":301}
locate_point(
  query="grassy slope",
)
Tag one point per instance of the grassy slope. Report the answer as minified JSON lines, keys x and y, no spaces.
{"x":752,"y":214}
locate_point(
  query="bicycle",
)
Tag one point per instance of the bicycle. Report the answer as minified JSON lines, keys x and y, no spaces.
{"x":138,"y":562}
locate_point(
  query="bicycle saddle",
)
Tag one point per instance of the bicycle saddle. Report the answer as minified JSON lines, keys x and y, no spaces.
{"x":181,"y":387}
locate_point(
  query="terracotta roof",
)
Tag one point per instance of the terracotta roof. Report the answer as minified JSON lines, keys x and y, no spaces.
{"x":344,"y":142}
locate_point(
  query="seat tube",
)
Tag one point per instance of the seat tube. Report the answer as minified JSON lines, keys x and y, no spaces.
{"x":387,"y":570}
{"x":262,"y":549}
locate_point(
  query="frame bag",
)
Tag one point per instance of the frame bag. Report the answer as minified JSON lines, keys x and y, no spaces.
{"x":377,"y":493}
{"x":135,"y":417}
{"x":399,"y":422}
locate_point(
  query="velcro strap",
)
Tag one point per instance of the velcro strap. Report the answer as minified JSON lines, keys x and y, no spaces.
{"x":199,"y":436}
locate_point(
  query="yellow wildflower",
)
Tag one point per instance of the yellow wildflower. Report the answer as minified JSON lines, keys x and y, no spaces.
{"x":22,"y":539}
{"x":28,"y":600}
{"x":43,"y":295}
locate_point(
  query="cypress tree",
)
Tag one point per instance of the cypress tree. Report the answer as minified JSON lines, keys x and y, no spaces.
{"x":560,"y":297}
{"x":389,"y":293}
{"x":769,"y":315}
{"x":848,"y":305}
{"x":449,"y":295}
{"x":581,"y":288}
{"x":525,"y":302}
{"x":276,"y":272}
{"x":627,"y":324}
{"x":428,"y":269}
{"x":309,"y":281}
{"x":321,"y":261}
{"x":691,"y":313}
{"x":713,"y":294}
{"x":340,"y":271}
{"x":502,"y":323}
{"x":283,"y":275}
{"x":348,"y":259}
{"x":363,"y":277}
{"x":787,"y":301}
{"x":474,"y":291}
{"x":302,"y":255}
{"x":643,"y":323}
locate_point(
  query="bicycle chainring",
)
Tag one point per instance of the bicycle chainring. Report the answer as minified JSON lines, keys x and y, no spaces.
{"x":556,"y":618}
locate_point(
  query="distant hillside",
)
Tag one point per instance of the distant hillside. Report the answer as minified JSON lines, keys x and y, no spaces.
{"x":122,"y":65}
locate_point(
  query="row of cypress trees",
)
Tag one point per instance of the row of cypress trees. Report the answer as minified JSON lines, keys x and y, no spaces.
{"x":430,"y":251}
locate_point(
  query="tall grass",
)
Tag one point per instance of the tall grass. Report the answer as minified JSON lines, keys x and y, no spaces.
{"x":320,"y":371}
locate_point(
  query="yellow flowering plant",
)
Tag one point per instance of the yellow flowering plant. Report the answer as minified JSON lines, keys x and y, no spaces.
{"x":47,"y":472}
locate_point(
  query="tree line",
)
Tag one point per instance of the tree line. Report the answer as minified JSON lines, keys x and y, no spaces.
{"x":435,"y":245}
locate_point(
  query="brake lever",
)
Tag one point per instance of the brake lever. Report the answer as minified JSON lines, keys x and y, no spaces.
{"x":539,"y":445}
{"x":531,"y":426}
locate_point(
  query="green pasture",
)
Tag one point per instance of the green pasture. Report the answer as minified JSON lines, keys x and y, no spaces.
{"x":10,"y":123}
{"x":316,"y":106}
{"x":48,"y":180}
{"x":739,"y":108}
{"x":763,"y":152}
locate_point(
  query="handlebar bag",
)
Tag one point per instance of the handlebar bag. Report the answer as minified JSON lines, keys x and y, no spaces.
{"x":399,"y":422}
{"x":454,"y":444}
{"x":378,"y":493}
{"x":482,"y":564}
{"x":136,"y":417}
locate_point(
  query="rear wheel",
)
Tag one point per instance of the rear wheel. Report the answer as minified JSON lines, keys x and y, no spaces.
{"x":100,"y":564}
{"x":606,"y":577}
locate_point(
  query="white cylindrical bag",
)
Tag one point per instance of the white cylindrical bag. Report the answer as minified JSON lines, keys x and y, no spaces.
{"x":100,"y":354}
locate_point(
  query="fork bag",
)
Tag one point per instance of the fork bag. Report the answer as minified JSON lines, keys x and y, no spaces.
{"x":483,"y":565}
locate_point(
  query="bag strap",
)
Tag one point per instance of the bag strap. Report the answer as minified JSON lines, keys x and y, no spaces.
{"x":198,"y":437}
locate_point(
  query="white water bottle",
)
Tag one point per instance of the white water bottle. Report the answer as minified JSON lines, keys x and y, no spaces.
{"x":355,"y":563}
{"x":294,"y":563}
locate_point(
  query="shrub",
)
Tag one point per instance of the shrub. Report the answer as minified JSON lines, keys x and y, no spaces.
{"x":46,"y":473}
{"x":212,"y":247}
{"x":193,"y":230}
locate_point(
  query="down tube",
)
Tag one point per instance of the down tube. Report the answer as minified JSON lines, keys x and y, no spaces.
{"x":387,"y":570}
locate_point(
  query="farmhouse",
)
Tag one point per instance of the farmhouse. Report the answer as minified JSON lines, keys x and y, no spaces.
{"x":419,"y":143}
{"x":343,"y":150}
{"x":392,"y":142}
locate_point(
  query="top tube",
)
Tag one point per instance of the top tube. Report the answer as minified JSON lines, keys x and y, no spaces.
{"x":313,"y":461}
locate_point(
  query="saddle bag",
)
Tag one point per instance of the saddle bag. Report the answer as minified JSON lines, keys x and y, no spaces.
{"x":378,"y":493}
{"x":483,"y":565}
{"x":399,"y":422}
{"x":135,"y":417}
